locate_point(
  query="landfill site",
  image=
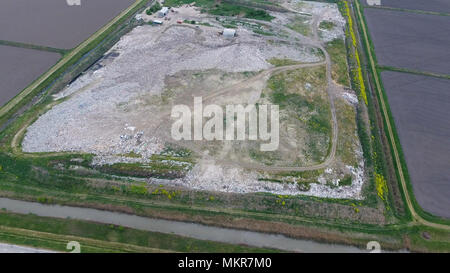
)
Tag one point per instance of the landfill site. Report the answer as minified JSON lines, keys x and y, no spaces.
{"x":119,"y":109}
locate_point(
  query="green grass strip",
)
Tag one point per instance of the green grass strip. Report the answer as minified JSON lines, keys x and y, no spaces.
{"x":36,"y":47}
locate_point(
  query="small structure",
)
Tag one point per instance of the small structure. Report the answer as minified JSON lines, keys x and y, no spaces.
{"x":228,"y":32}
{"x":163,"y":12}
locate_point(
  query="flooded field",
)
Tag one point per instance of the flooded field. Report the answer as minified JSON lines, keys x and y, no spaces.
{"x":19,"y":67}
{"x":428,"y":5}
{"x":419,"y":104}
{"x":54,"y":23}
{"x":420,"y":107}
{"x":410,"y":40}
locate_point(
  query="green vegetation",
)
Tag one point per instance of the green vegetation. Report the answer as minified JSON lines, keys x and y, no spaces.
{"x":284,"y":95}
{"x":347,"y":138}
{"x":300,"y":95}
{"x":346,"y":181}
{"x":410,"y":71}
{"x":262,"y":32}
{"x":339,"y":67}
{"x":199,"y":3}
{"x":226,"y":9}
{"x":326,"y":25}
{"x":36,"y":47}
{"x":282,"y":62}
{"x":302,"y":25}
{"x":154,"y":8}
{"x":160,"y":166}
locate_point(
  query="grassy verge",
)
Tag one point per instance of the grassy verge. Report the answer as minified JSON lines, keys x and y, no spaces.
{"x":410,"y":71}
{"x":36,"y":47}
{"x":339,"y":66}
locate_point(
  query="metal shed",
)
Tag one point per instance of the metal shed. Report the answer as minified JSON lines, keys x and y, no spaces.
{"x":163,"y":12}
{"x":229,"y":32}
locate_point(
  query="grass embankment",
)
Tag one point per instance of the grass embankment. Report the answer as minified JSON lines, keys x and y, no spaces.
{"x":367,"y":122}
{"x":54,"y":233}
{"x":411,"y":71}
{"x":36,"y":47}
{"x":339,"y":66}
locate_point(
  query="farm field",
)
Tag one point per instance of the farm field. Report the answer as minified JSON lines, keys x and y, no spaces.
{"x":19,"y":67}
{"x":428,"y":5}
{"x":410,"y":40}
{"x":419,"y":105}
{"x":54,"y":23}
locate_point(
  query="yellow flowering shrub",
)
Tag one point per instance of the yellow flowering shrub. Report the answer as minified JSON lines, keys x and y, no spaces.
{"x":358,"y":77}
{"x":381,"y":185}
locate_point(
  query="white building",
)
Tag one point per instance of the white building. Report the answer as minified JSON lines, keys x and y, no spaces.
{"x":163,"y":12}
{"x":229,"y":32}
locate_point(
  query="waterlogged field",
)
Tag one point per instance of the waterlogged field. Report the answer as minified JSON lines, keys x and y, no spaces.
{"x":410,"y":40}
{"x":19,"y":67}
{"x":37,"y":33}
{"x":419,"y":105}
{"x":428,"y":5}
{"x":53,"y":22}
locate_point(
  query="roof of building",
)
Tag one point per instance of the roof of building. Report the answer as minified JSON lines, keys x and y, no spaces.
{"x":229,"y":32}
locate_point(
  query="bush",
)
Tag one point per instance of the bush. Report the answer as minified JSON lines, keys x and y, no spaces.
{"x":233,"y":10}
{"x":153,"y":9}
